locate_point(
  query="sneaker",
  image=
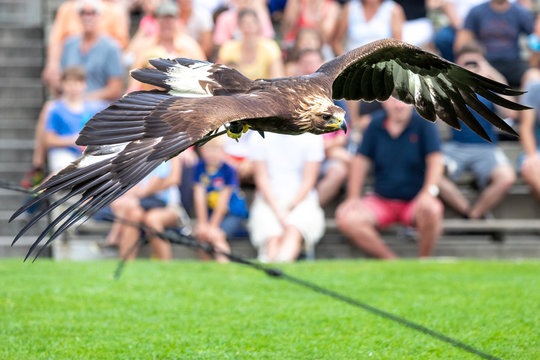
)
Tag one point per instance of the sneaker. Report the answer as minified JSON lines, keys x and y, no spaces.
{"x":33,"y":178}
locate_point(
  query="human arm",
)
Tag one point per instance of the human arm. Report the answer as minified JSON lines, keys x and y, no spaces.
{"x":112,"y":91}
{"x":199,"y":203}
{"x":275,"y":67}
{"x":449,"y":9}
{"x":52,"y":70}
{"x":340,"y":32}
{"x":52,"y":139}
{"x":359,"y":168}
{"x":309,"y":178}
{"x":434,"y":172}
{"x":528,"y":140}
{"x":398,"y":20}
{"x":222,"y":207}
{"x":262,"y":182}
{"x":290,"y":16}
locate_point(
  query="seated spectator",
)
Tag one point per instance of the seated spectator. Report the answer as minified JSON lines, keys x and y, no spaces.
{"x":362,"y":22}
{"x":198,"y":24}
{"x":417,"y":29}
{"x":169,"y":42}
{"x":221,"y":210}
{"x":67,"y":23}
{"x":238,"y":151}
{"x":497,"y":26}
{"x":253,"y":56}
{"x":306,"y":39}
{"x":404,"y":150}
{"x":466,"y":151}
{"x":320,"y":15}
{"x":529,"y":132}
{"x":146,"y":31}
{"x":98,"y":54}
{"x":335,"y":167}
{"x":227,"y":23}
{"x":286,"y":208}
{"x":65,"y":118}
{"x":154,"y":202}
{"x":455,"y":11}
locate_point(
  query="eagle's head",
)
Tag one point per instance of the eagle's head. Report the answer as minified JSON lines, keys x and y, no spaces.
{"x":322,"y":116}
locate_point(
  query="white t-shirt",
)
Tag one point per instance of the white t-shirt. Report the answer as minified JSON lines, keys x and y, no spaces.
{"x":285,"y":157}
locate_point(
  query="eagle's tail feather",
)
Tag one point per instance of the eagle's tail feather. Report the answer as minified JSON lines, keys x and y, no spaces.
{"x":98,"y":177}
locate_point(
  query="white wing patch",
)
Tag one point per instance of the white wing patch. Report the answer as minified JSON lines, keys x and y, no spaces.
{"x":100,"y":153}
{"x":186,"y":80}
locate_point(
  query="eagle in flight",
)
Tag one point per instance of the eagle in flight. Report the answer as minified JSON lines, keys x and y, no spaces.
{"x":131,"y":137}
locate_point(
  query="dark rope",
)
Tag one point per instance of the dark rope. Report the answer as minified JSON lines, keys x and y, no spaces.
{"x":185,"y":240}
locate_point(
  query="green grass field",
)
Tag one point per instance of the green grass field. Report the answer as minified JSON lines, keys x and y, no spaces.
{"x":184,"y":310}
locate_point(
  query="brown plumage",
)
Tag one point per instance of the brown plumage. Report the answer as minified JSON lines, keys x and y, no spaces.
{"x":135,"y":134}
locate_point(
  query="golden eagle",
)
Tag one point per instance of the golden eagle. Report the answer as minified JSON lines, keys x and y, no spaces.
{"x":131,"y":137}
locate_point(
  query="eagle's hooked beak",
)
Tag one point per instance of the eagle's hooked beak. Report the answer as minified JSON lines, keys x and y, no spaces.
{"x":338,"y":123}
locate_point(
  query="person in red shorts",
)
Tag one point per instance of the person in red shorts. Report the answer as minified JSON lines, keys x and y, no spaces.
{"x":405,"y":153}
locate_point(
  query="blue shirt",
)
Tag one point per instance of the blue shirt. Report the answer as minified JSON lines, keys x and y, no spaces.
{"x":399,"y":164}
{"x":499,"y":32}
{"x":466,"y":135}
{"x":101,"y":63}
{"x":216,"y":181}
{"x":64,"y":122}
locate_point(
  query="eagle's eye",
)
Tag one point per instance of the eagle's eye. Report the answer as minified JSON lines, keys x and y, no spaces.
{"x":326,"y":117}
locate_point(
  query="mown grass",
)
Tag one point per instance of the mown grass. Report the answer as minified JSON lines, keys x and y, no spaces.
{"x":193,"y":310}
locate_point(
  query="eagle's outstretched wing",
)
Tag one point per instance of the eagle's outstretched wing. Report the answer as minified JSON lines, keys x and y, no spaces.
{"x":125,"y":142}
{"x":436,"y":87}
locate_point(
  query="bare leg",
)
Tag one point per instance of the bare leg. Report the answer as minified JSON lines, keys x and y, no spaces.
{"x":273,"y":245}
{"x":502,"y":178}
{"x":359,"y":227}
{"x":531,"y":175}
{"x":428,"y":218}
{"x":291,"y":244}
{"x":159,"y":219}
{"x":130,"y":234}
{"x":453,"y":197}
{"x":329,"y":185}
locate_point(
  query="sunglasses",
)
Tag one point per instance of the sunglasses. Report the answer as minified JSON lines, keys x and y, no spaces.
{"x":87,"y":12}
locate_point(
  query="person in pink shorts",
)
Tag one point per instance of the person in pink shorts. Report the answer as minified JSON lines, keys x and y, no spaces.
{"x":404,"y":152}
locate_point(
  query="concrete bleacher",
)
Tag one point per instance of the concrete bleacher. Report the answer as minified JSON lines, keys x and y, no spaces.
{"x":513,"y":232}
{"x":21,"y":98}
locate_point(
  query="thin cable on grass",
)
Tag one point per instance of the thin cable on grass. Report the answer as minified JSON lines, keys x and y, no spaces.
{"x":186,"y":240}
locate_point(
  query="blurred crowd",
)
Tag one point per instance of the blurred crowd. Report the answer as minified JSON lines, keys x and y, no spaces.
{"x":400,"y":158}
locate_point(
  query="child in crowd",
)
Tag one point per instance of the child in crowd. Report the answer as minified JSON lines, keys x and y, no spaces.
{"x":219,"y":208}
{"x":66,"y":117}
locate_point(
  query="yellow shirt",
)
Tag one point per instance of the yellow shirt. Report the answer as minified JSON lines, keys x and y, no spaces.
{"x":267,"y":52}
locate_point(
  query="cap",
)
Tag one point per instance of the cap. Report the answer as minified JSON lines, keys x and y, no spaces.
{"x":167,"y":8}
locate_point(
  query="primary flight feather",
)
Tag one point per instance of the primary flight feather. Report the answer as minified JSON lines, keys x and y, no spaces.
{"x":131,"y":137}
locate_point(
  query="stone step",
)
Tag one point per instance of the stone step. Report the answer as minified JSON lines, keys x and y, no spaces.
{"x":20,"y":248}
{"x":15,"y":33}
{"x":22,"y":157}
{"x":12,"y":228}
{"x":14,"y":113}
{"x":31,"y":68}
{"x":22,"y":90}
{"x":10,"y":50}
{"x":24,"y":130}
{"x":86,"y":248}
{"x":21,"y":106}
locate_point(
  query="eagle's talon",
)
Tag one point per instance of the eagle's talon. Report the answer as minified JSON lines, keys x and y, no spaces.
{"x":233,"y":135}
{"x":236,"y":129}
